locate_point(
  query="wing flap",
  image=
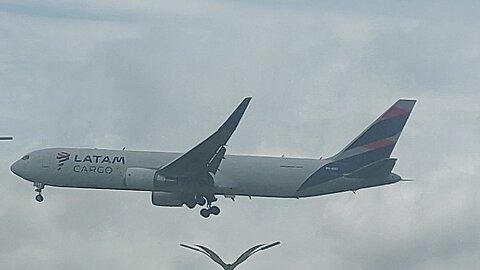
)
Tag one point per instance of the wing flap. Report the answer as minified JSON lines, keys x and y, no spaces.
{"x":216,"y":160}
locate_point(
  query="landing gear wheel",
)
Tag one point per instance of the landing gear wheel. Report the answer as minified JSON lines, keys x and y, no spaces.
{"x":39,"y":198}
{"x":201,"y":201}
{"x":38,"y":188}
{"x":205,"y":213}
{"x":210,"y":210}
{"x":191,"y":205}
{"x":215,"y":210}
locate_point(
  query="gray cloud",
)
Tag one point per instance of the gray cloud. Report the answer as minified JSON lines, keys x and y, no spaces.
{"x":318,"y":75}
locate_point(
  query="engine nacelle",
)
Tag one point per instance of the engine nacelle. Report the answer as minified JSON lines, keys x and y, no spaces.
{"x":171,"y":199}
{"x":147,"y":179}
{"x":140,"y":178}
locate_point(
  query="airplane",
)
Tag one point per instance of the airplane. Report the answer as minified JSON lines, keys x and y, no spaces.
{"x":198,"y":176}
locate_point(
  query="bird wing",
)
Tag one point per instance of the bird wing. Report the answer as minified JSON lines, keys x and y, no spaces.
{"x":213,"y":256}
{"x":269,"y":246}
{"x":195,"y":249}
{"x":249,"y":252}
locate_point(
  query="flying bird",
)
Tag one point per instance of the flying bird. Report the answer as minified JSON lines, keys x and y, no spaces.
{"x":247,"y":254}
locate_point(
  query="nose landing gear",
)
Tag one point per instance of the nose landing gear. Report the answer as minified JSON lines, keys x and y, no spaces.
{"x":206,"y":212}
{"x":210,"y":210}
{"x":38,"y":188}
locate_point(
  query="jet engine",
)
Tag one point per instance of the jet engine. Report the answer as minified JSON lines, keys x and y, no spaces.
{"x":174,"y":199}
{"x":140,"y":178}
{"x":146,"y":179}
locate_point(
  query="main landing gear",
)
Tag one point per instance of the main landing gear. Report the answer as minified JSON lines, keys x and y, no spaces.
{"x":38,"y":188}
{"x":210,"y":210}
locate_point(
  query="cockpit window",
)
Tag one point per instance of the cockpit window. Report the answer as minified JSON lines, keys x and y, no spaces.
{"x":25,"y":157}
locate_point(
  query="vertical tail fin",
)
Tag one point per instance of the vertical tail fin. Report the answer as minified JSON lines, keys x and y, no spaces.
{"x":378,"y":140}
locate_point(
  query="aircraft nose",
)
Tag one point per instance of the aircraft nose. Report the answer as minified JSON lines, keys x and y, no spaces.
{"x":16,"y":168}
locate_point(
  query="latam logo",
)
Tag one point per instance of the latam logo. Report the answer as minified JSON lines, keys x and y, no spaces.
{"x":62,"y":157}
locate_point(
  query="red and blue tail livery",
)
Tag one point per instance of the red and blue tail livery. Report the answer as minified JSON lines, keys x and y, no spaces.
{"x":378,"y":140}
{"x":374,"y":144}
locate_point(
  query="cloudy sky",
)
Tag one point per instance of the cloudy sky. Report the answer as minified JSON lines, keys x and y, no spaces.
{"x":162,"y":75}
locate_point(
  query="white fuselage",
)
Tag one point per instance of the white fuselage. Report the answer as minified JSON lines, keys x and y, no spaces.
{"x":238,"y":175}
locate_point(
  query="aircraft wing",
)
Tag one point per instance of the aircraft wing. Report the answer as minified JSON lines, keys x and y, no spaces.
{"x":206,"y":156}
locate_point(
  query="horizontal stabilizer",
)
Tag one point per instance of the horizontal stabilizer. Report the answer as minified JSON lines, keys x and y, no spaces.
{"x":379,"y":168}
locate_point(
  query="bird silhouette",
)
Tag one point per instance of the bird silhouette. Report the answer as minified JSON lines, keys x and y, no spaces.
{"x":247,"y":254}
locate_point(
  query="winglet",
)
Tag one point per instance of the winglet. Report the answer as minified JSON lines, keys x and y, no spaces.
{"x":232,"y":122}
